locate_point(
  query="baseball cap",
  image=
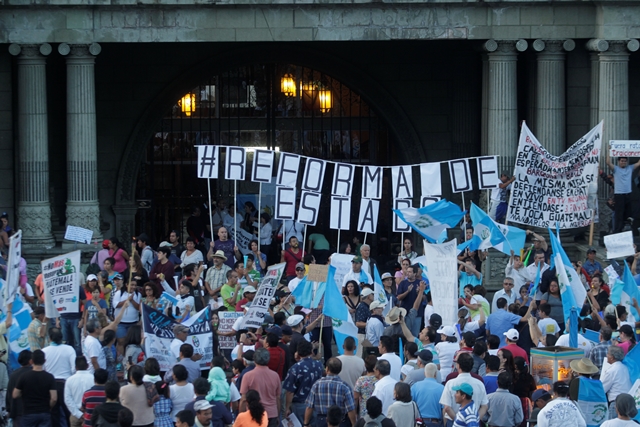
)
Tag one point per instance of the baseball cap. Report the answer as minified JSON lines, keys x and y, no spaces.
{"x":300,"y":265}
{"x":540,"y":394}
{"x":449,"y":331}
{"x":386,"y":276}
{"x":92,"y":277}
{"x":275,"y":330}
{"x":375,"y":304}
{"x":295,"y":320}
{"x":202,"y":405}
{"x":464,"y":387}
{"x":105,"y":243}
{"x":117,"y":276}
{"x":426,"y":356}
{"x":286,"y":330}
{"x":591,"y":250}
{"x":249,"y":290}
{"x":512,"y":334}
{"x":164,"y":244}
{"x":357,"y":259}
{"x":366,"y":292}
{"x":435,"y":320}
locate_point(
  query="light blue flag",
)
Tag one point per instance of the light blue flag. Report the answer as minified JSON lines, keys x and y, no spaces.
{"x":485,"y":228}
{"x":592,"y":402}
{"x":442,"y":237}
{"x":431,"y":220}
{"x":571,"y":289}
{"x":630,"y":290}
{"x":317,"y":298}
{"x":343,"y":325}
{"x":536,"y":283}
{"x":304,"y":293}
{"x":378,"y":291}
{"x":632,"y":362}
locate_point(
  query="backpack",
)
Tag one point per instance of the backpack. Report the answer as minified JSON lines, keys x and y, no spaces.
{"x":373,"y":422}
{"x":154,"y":258}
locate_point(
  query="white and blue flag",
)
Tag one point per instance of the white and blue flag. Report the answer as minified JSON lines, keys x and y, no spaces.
{"x":430,"y":221}
{"x":592,"y":401}
{"x":336,"y":308}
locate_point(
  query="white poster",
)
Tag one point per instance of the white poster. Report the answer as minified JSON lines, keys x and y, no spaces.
{"x":430,"y":179}
{"x":441,"y":262}
{"x":460,"y":175}
{"x":342,"y":263}
{"x":262,"y":166}
{"x":243,"y":238}
{"x":343,"y":176}
{"x":402,"y":182}
{"x":372,"y":182}
{"x":236,"y":164}
{"x":313,"y":175}
{"x":13,"y":267}
{"x":267,"y":289}
{"x":226,"y":319}
{"x":488,"y":176}
{"x":624,"y":148}
{"x":399,"y":226}
{"x":288,"y":170}
{"x":208,"y":161}
{"x":285,"y":203}
{"x":619,"y":245}
{"x":61,"y":284}
{"x":368,"y":216}
{"x":340,"y":213}
{"x":78,"y":234}
{"x":309,"y":208}
{"x":551,"y":190}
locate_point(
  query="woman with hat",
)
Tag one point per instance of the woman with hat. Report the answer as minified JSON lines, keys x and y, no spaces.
{"x":583,"y":369}
{"x":626,"y":409}
{"x":446,"y":349}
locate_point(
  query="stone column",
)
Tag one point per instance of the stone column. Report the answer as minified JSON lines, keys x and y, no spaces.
{"x":34,"y":210}
{"x":595,"y":46}
{"x":83,"y":209}
{"x":502,"y":105}
{"x":550,"y":94}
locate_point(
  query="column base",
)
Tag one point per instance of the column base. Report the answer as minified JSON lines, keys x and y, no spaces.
{"x":85,"y":214}
{"x":34,"y":219}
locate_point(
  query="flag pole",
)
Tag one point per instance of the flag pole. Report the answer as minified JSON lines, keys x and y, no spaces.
{"x":464,"y":218}
{"x":304,"y":238}
{"x":259,"y":213}
{"x":338,"y":245}
{"x":364,"y":242}
{"x":210,"y":208}
{"x":401,"y":244}
{"x":235,"y":210}
{"x":591,"y":227}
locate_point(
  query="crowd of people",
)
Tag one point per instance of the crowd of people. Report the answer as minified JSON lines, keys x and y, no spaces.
{"x":404,"y":368}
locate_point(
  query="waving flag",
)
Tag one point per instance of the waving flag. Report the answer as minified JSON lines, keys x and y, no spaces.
{"x":625,"y":290}
{"x":534,"y":288}
{"x":378,"y":291}
{"x":571,"y":289}
{"x":632,"y":362}
{"x":485,"y":228}
{"x":304,"y":293}
{"x":431,"y":220}
{"x":514,"y":238}
{"x":592,"y":401}
{"x":343,"y":325}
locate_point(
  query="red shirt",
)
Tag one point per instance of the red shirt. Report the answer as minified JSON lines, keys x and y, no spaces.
{"x":517,"y":351}
{"x":292,"y":259}
{"x":276,"y":361}
{"x":93,"y":397}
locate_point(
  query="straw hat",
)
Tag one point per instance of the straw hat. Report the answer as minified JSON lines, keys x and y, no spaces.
{"x":583,"y":366}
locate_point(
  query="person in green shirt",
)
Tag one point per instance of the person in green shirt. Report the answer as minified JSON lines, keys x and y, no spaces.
{"x":230,"y":291}
{"x":319,"y":248}
{"x":251,"y":271}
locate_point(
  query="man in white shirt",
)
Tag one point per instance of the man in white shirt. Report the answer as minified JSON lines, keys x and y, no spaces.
{"x":300,"y":272}
{"x":561,"y":411}
{"x":516,"y":269}
{"x":532,"y":270}
{"x":464,"y":364}
{"x":583,"y":343}
{"x":131,"y":310}
{"x":92,"y":349}
{"x":357,"y":273}
{"x":352,"y":365}
{"x":507,"y":292}
{"x":385,"y":346}
{"x":383,"y":389}
{"x":75,"y":387}
{"x":615,"y":379}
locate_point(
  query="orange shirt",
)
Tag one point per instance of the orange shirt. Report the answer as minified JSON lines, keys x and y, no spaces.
{"x":244,"y":420}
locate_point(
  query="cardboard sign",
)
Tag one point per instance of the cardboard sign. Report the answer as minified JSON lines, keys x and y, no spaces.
{"x":267,"y":289}
{"x":61,"y":284}
{"x":208,"y":161}
{"x":317,"y":273}
{"x":226,"y":319}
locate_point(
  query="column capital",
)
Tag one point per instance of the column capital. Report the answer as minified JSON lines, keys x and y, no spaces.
{"x":613,"y":47}
{"x":79,"y":50}
{"x":30,"y":50}
{"x":505,"y":46}
{"x":554,"y":46}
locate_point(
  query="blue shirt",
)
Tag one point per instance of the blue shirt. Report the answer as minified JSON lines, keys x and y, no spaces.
{"x":467,"y":416}
{"x":426,"y":394}
{"x":301,"y":378}
{"x":622,"y":179}
{"x":490,"y":383}
{"x":407,"y":302}
{"x":591,"y":268}
{"x":500,"y":322}
{"x":468,"y":279}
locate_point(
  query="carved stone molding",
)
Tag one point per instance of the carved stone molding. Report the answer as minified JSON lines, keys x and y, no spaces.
{"x":85,"y":215}
{"x":35,"y":222}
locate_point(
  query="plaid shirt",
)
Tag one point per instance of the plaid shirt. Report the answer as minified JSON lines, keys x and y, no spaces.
{"x":599,"y":352}
{"x":216,"y":278}
{"x":317,"y":312}
{"x":329,"y":391}
{"x":33,"y":335}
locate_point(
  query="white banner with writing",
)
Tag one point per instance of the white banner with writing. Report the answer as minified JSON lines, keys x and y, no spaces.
{"x":624,"y":148}
{"x":61,"y":279}
{"x":619,"y":245}
{"x":442,"y":264}
{"x":267,"y":289}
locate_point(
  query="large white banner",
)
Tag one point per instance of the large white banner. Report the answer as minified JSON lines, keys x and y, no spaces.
{"x":551,"y":190}
{"x":13,"y":267}
{"x":61,"y":279}
{"x":624,"y":148}
{"x":442,"y":264}
{"x":267,"y":289}
{"x":342,"y":263}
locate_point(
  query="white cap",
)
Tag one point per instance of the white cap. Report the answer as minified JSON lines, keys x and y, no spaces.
{"x":92,"y":277}
{"x":202,"y":405}
{"x":249,"y":290}
{"x":295,"y":320}
{"x":512,"y":334}
{"x":386,"y":276}
{"x":164,"y":244}
{"x":449,"y":331}
{"x":375,"y":304}
{"x":366,"y":292}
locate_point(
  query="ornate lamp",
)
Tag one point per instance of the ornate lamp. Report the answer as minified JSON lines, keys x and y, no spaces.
{"x":288,"y":85}
{"x":324,"y":97}
{"x":188,"y":104}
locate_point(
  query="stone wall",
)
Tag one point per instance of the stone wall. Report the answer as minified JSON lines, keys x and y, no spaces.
{"x":7,"y":182}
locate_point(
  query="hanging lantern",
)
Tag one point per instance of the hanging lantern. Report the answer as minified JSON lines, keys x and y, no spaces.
{"x":188,"y":104}
{"x":288,"y":85}
{"x":324,"y":97}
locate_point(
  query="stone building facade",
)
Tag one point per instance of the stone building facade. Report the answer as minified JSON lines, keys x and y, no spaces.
{"x":84,"y":84}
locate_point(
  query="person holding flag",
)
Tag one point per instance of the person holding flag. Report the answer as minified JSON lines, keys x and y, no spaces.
{"x":357,"y":273}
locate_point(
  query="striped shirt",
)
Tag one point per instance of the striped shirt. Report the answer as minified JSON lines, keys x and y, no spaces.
{"x":217,"y":277}
{"x":93,"y":397}
{"x":467,"y":416}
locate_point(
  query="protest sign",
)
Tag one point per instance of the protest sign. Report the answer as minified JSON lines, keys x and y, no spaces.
{"x":61,"y":279}
{"x":13,"y":267}
{"x":619,"y":245}
{"x":624,"y":148}
{"x":317,"y":273}
{"x":17,"y":335}
{"x":158,"y":333}
{"x":226,"y":319}
{"x":554,"y":190}
{"x":267,"y":289}
{"x":243,"y":239}
{"x":78,"y":234}
{"x":342,"y":263}
{"x":441,"y":261}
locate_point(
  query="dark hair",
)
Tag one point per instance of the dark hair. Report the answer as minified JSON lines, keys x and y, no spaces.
{"x":370,"y":362}
{"x":465,"y":361}
{"x":279,"y":318}
{"x":356,"y":288}
{"x":100,"y":376}
{"x":125,"y":417}
{"x":108,"y":337}
{"x":256,"y":409}
{"x":186,"y":416}
{"x":24,"y":357}
{"x":272,"y":340}
{"x":403,"y":392}
{"x":266,"y":217}
{"x":237,"y":364}
{"x":136,"y":373}
{"x":479,"y":348}
{"x":520,"y":364}
{"x":134,"y":336}
{"x":386,"y":342}
{"x":349,"y":343}
{"x":545,"y":308}
{"x":187,"y":350}
{"x":431,"y":333}
{"x":152,"y":367}
{"x":55,"y":335}
{"x":374,"y":407}
{"x":501,"y":303}
{"x":411,"y":348}
{"x":112,"y":390}
{"x":561,"y":389}
{"x":111,"y":260}
{"x":334,"y":415}
{"x":343,"y":247}
{"x":219,"y":361}
{"x":38,"y":357}
{"x":493,"y":363}
{"x":628,"y":331}
{"x":509,"y":365}
{"x":304,"y":348}
{"x":606,"y":333}
{"x":384,"y":367}
{"x":334,"y":365}
{"x":493,"y":341}
{"x":505,"y":380}
{"x":469,"y":339}
{"x":201,"y":386}
{"x":479,"y":290}
{"x":551,"y":340}
{"x":81,"y":363}
{"x":190,"y":239}
{"x":229,"y":274}
{"x":162,"y":388}
{"x":180,"y":373}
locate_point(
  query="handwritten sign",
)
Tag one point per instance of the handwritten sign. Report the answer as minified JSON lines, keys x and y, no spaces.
{"x":13,"y":268}
{"x":624,"y":148}
{"x":267,"y":289}
{"x":226,"y":319}
{"x":61,"y":284}
{"x":317,"y":273}
{"x":619,"y":245}
{"x":78,"y":234}
{"x":443,"y":276}
{"x":551,"y":190}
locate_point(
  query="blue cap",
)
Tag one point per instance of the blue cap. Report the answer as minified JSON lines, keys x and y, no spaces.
{"x":464,"y":387}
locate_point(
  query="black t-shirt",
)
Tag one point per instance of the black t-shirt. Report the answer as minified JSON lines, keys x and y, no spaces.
{"x":35,"y":386}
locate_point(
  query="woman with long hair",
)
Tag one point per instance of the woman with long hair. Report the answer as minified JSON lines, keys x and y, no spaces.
{"x":627,"y":338}
{"x":506,"y":362}
{"x":345,"y":248}
{"x":119,"y":253}
{"x":108,"y":340}
{"x":403,"y":411}
{"x":133,"y":345}
{"x":553,"y":298}
{"x":149,"y":297}
{"x":402,"y":274}
{"x":351,"y":296}
{"x":255,"y":416}
{"x":138,"y":273}
{"x":259,"y":257}
{"x":407,"y":251}
{"x":363,"y":388}
{"x":133,"y":396}
{"x":523,"y":386}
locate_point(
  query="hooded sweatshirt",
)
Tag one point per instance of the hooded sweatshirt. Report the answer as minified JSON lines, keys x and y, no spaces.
{"x":219,"y":385}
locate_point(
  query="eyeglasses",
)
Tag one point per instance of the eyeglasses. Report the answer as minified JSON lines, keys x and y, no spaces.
{"x":507,"y":283}
{"x":149,"y":290}
{"x":299,"y":269}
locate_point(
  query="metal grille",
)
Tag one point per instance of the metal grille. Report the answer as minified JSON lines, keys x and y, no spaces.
{"x":247,"y":107}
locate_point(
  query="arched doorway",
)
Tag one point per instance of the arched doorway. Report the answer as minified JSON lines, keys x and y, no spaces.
{"x":277,"y":106}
